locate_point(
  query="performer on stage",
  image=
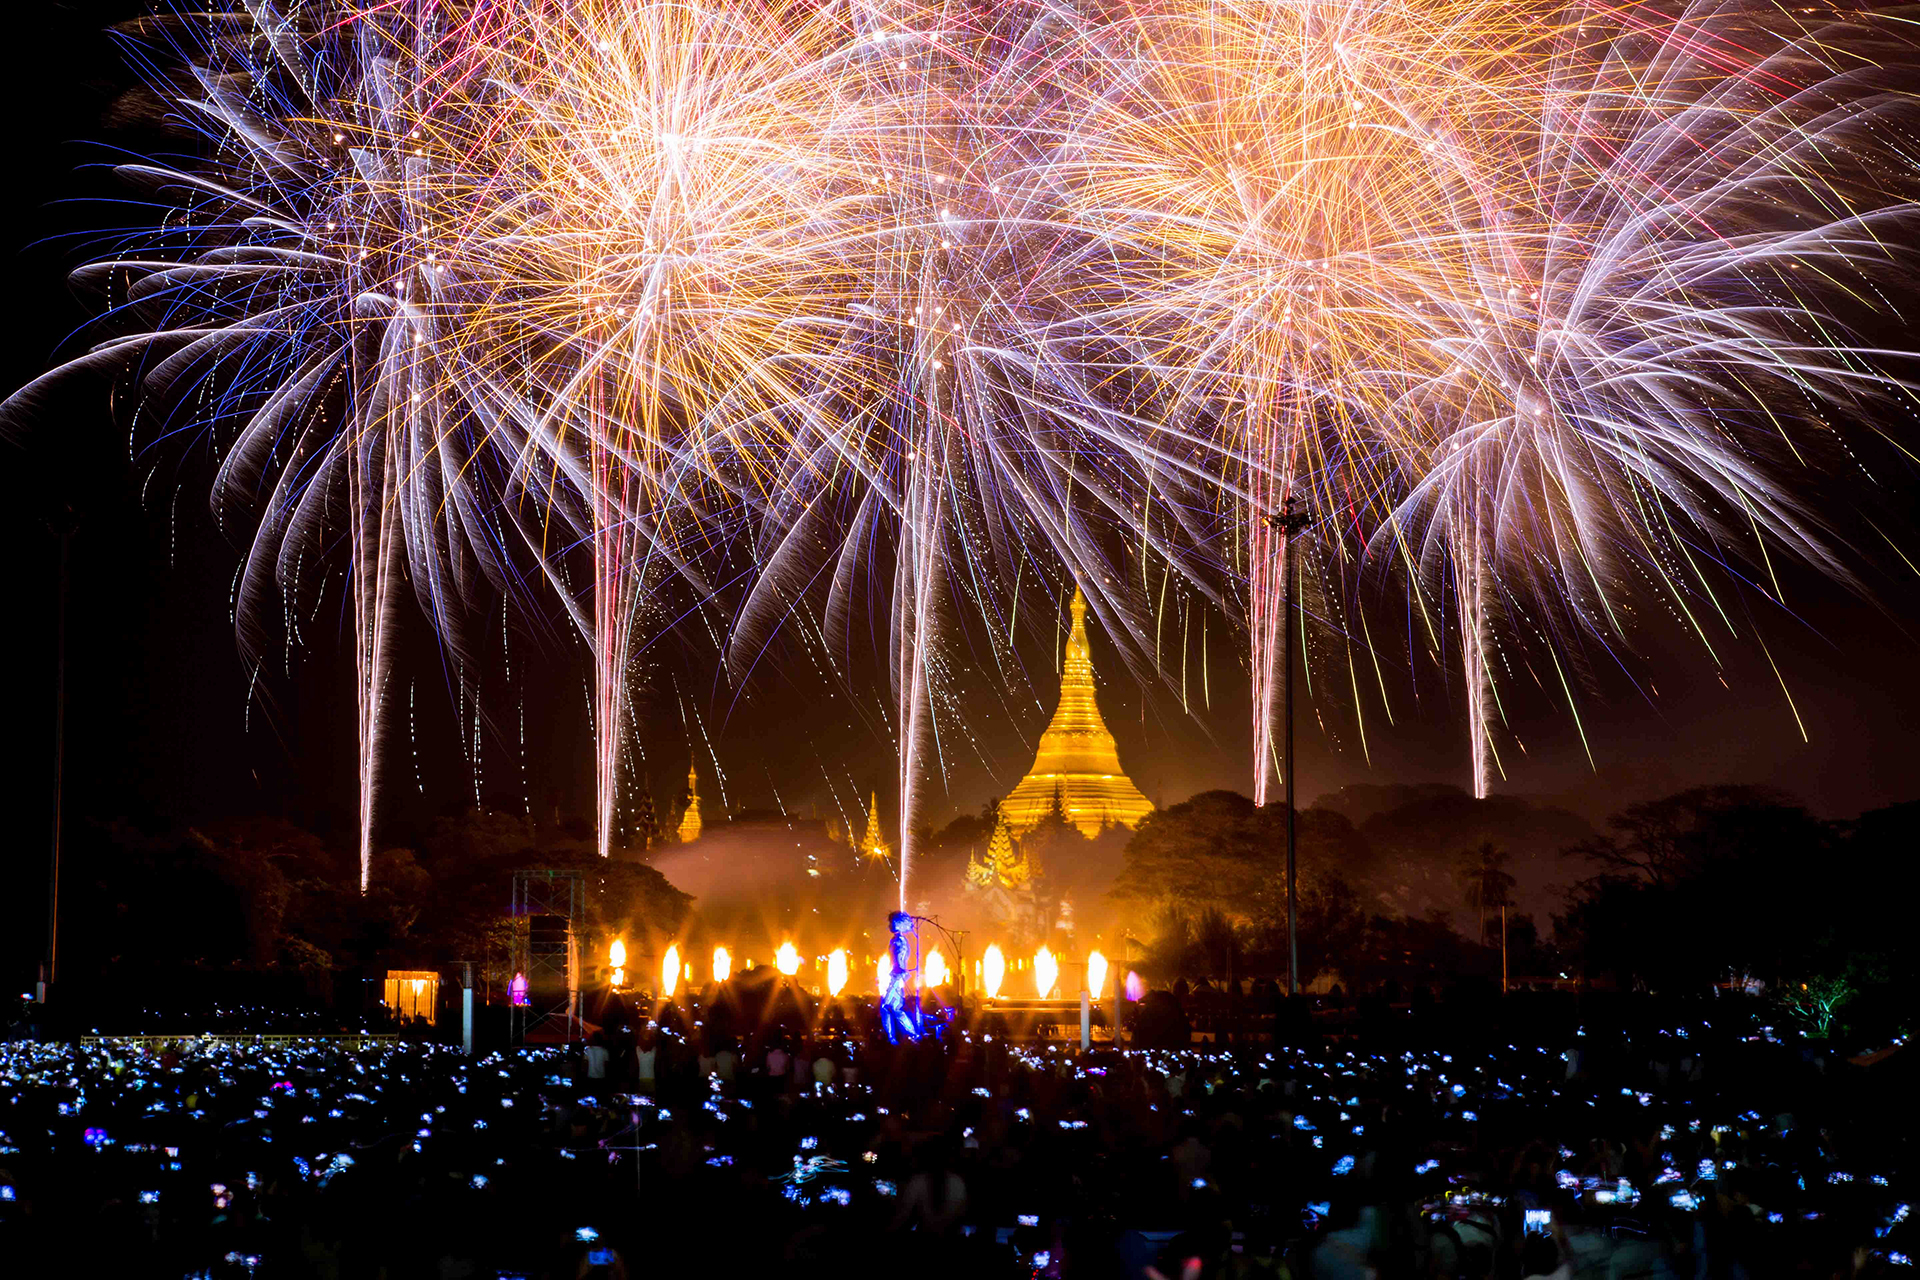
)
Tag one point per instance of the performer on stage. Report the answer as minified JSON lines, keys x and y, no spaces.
{"x":899,"y":1020}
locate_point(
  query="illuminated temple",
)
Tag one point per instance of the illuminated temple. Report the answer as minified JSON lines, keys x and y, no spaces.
{"x":1077,"y":759}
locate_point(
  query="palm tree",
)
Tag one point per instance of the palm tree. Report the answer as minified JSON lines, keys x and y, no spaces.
{"x":1483,"y":878}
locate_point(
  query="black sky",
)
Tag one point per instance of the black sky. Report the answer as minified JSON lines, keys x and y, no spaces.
{"x":159,"y":723}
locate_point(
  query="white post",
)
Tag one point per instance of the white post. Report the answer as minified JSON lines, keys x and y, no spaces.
{"x":466,"y":1007}
{"x":1086,"y":1019}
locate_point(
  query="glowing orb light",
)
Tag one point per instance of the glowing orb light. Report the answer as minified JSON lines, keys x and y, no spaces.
{"x":670,"y":972}
{"x":517,"y":989}
{"x":722,"y":964}
{"x":836,"y":971}
{"x":1096,"y":972}
{"x":993,"y":970}
{"x":1136,"y":986}
{"x":936,"y":969}
{"x":1046,"y":972}
{"x":787,"y":959}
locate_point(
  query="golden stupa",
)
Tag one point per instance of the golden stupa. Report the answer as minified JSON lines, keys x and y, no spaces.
{"x":874,"y":843}
{"x":690,"y":820}
{"x":1077,"y":760}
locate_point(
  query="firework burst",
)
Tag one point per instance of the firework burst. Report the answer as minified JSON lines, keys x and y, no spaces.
{"x":927,"y":307}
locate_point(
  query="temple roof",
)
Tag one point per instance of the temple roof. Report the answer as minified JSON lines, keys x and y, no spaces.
{"x":1005,"y":865}
{"x":1077,"y":756}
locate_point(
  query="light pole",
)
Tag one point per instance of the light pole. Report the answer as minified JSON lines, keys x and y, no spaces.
{"x":63,"y":529}
{"x":1291,"y":522}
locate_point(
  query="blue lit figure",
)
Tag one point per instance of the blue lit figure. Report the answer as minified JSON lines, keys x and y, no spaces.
{"x":898,"y":1019}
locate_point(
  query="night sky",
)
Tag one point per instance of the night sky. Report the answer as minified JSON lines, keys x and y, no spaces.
{"x":159,"y":725}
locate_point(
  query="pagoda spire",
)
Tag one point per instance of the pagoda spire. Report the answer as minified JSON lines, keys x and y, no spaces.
{"x":690,"y":816}
{"x":874,"y":843}
{"x":1077,"y":760}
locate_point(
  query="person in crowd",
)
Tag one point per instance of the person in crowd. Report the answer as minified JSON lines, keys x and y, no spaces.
{"x":598,"y":1054}
{"x":646,"y":1061}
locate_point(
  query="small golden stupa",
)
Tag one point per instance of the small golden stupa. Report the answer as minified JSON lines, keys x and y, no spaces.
{"x":690,"y":820}
{"x":874,"y":843}
{"x":1077,"y":760}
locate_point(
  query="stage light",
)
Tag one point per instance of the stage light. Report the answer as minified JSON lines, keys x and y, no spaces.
{"x":936,"y":969}
{"x":722,"y":964}
{"x":1096,"y":973}
{"x":787,"y":959}
{"x":1136,"y":987}
{"x":836,"y":971}
{"x":670,"y":972}
{"x":617,"y":954}
{"x":993,"y":970}
{"x":1046,"y":971}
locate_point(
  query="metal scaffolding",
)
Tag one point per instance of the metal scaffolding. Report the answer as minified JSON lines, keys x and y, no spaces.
{"x":548,"y":907}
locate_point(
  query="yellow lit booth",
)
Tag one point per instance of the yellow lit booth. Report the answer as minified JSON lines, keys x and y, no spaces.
{"x":413,"y":993}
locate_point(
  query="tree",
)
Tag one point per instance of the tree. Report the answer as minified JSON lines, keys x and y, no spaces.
{"x":1222,"y":946}
{"x":1711,"y":884}
{"x":1483,"y":877}
{"x":1170,"y":951}
{"x":469,"y":863}
{"x":1054,"y":842}
{"x":1814,"y":1002}
{"x":1332,"y":924}
{"x":1662,"y":841}
{"x":1410,"y":951}
{"x":1416,"y":832}
{"x":965,"y":833}
{"x":1218,"y":850}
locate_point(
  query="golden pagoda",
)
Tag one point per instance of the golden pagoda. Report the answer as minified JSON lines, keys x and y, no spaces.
{"x":1077,"y":760}
{"x":874,"y":843}
{"x":690,"y":817}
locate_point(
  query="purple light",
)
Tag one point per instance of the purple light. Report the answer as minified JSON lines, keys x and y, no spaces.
{"x":1136,"y":986}
{"x":517,"y":989}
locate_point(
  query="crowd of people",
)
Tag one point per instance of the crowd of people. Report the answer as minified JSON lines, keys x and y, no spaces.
{"x":1697,"y":1149}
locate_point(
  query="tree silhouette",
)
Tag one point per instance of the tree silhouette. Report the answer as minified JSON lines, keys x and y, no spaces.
{"x":1483,"y":877}
{"x":1666,"y":840}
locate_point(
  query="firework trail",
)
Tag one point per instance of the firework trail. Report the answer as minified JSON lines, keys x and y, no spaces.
{"x":968,"y":419}
{"x":646,"y":278}
{"x":1511,"y":300}
{"x":1268,"y":175}
{"x":1657,"y":336}
{"x":281,"y":309}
